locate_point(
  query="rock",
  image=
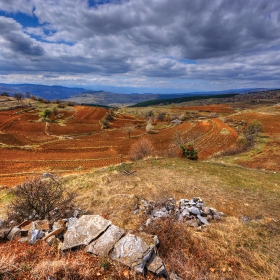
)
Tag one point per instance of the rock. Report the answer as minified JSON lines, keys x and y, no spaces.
{"x":194,"y":210}
{"x":24,"y":224}
{"x":54,"y":233}
{"x":203,"y":220}
{"x":23,"y":240}
{"x":134,"y":251}
{"x":156,"y":265}
{"x":53,"y":241}
{"x":14,"y":233}
{"x":105,"y":243}
{"x":174,"y":276}
{"x":148,"y":222}
{"x":192,"y":223}
{"x":1,"y":223}
{"x":59,"y":224}
{"x":35,"y":235}
{"x":160,"y":214}
{"x":30,"y":226}
{"x":71,"y":222}
{"x":43,"y":224}
{"x":84,"y":231}
{"x":47,"y":175}
{"x":3,"y":234}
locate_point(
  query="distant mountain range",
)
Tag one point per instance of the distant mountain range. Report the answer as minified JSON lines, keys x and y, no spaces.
{"x":84,"y":96}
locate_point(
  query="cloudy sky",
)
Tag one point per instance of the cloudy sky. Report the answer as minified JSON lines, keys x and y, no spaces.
{"x":141,"y":45}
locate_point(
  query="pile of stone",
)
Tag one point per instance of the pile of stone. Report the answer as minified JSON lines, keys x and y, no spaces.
{"x":194,"y":212}
{"x":95,"y":235}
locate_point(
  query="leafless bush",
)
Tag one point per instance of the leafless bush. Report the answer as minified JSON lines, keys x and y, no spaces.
{"x":38,"y":198}
{"x":141,"y":149}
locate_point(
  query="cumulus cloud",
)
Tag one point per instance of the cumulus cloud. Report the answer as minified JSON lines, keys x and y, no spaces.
{"x":214,"y":40}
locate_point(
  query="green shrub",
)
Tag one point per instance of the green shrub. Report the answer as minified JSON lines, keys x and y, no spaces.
{"x":189,"y":152}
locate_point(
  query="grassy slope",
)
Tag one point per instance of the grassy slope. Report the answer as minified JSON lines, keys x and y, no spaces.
{"x":238,"y":250}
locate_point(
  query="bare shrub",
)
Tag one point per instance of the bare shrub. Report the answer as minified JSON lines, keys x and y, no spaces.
{"x":252,"y":131}
{"x":37,"y":198}
{"x":141,"y":149}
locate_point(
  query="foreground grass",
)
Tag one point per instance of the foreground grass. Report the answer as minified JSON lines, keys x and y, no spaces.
{"x":244,"y":245}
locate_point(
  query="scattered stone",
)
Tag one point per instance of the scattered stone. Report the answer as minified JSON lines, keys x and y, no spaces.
{"x":54,"y":233}
{"x":23,"y":240}
{"x":85,"y":230}
{"x":193,"y":211}
{"x":174,"y":276}
{"x":14,"y":233}
{"x":59,"y":224}
{"x":203,"y":220}
{"x":156,"y":266}
{"x":134,"y":251}
{"x":105,"y":243}
{"x":35,"y":235}
{"x":3,"y":234}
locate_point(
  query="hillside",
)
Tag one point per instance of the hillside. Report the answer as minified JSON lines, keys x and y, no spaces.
{"x":95,"y":162}
{"x":243,"y":245}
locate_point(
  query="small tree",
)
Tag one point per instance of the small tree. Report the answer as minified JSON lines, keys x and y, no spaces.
{"x":149,"y":128}
{"x":128,"y":128}
{"x":141,"y":149}
{"x":47,"y":113}
{"x":18,"y":96}
{"x":189,"y":152}
{"x":252,"y":131}
{"x":27,"y":95}
{"x":36,"y":199}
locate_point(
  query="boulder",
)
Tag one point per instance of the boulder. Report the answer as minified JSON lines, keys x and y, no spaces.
{"x":105,"y":243}
{"x":203,"y":220}
{"x":3,"y":234}
{"x":59,"y":224}
{"x":134,"y":251}
{"x":156,"y":266}
{"x":14,"y":233}
{"x":84,"y":231}
{"x":35,"y":235}
{"x":54,"y":233}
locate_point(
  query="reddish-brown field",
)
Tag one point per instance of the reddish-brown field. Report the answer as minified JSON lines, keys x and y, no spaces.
{"x":217,"y":108}
{"x":75,"y":141}
{"x":269,"y":157}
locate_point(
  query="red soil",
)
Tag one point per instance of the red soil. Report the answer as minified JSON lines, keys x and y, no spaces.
{"x":219,"y":108}
{"x":89,"y":146}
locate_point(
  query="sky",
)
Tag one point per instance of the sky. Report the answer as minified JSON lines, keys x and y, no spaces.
{"x":158,"y":46}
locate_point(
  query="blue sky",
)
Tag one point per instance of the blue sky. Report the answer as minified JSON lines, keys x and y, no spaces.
{"x":141,"y":45}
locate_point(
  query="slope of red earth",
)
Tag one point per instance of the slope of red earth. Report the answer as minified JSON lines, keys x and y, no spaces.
{"x":218,"y":108}
{"x":269,"y":157}
{"x":79,"y":144}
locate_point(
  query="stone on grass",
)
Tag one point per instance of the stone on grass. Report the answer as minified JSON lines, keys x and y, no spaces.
{"x":105,"y":243}
{"x":203,"y":220}
{"x":35,"y":235}
{"x":156,"y":265}
{"x":194,"y":210}
{"x":134,"y":251}
{"x":14,"y":233}
{"x":3,"y":234}
{"x":84,"y":231}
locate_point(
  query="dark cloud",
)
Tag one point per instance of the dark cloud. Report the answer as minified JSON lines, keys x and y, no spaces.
{"x":147,"y":38}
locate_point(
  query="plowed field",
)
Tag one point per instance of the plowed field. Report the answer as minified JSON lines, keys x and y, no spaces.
{"x":269,"y":157}
{"x":75,"y":141}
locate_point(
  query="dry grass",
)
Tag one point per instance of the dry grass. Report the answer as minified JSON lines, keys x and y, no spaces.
{"x":227,"y":250}
{"x":24,"y":261}
{"x":230,"y":249}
